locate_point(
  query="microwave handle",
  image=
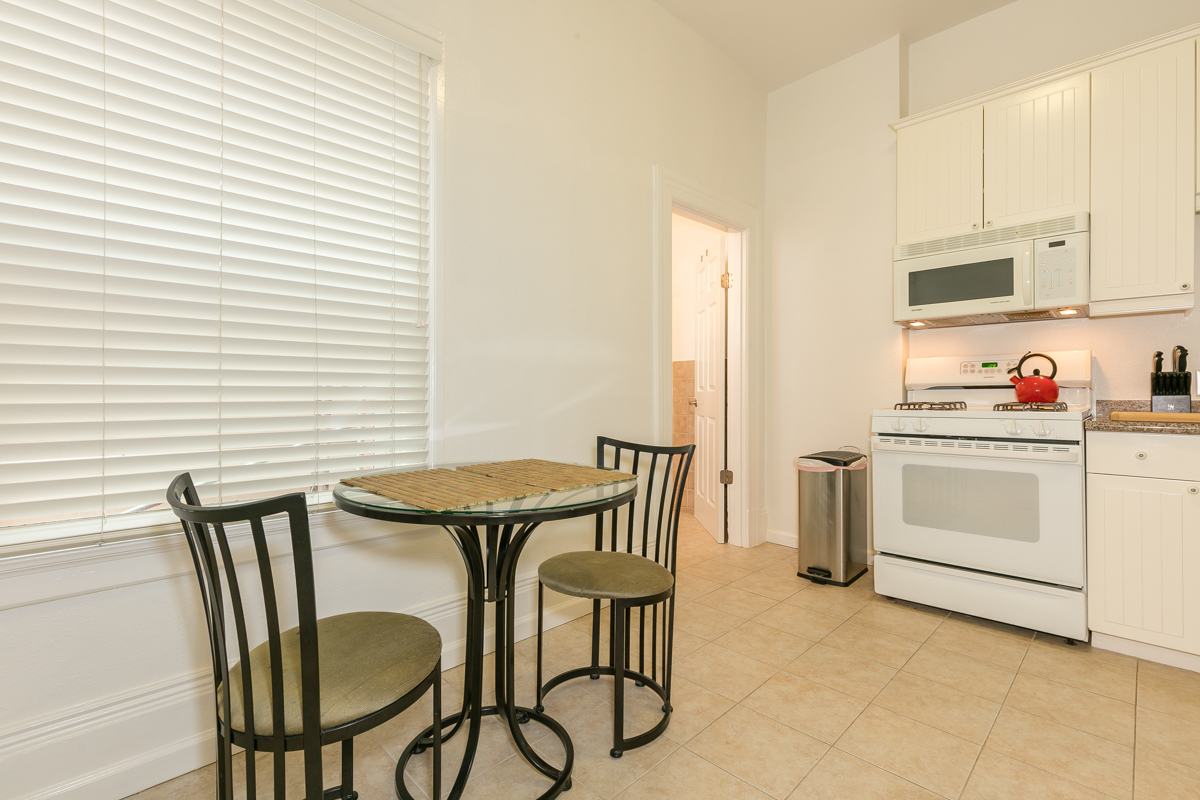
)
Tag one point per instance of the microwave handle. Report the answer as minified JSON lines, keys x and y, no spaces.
{"x":1027,"y":274}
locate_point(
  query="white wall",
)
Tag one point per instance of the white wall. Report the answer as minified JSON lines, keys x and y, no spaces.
{"x":1029,"y":37}
{"x":1019,"y":41}
{"x":555,"y":115}
{"x":690,"y":240}
{"x":834,"y":354}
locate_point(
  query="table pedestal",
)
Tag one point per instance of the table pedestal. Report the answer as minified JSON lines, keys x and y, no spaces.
{"x":491,"y":563}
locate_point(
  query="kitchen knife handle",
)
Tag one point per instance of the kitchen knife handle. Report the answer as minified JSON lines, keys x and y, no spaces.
{"x":1158,"y":359}
{"x":1183,"y":354}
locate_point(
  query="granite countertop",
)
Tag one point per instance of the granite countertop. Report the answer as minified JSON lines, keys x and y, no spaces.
{"x":1101,"y":421}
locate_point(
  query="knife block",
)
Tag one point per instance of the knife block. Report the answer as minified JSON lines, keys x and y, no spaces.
{"x":1171,"y":391}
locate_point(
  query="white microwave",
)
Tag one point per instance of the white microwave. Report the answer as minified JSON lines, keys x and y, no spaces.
{"x":1027,"y":272}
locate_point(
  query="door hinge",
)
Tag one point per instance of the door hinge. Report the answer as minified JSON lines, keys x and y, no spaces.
{"x":726,"y":281}
{"x":726,"y":476}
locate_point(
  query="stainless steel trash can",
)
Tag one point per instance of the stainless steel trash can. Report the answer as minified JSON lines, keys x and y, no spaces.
{"x":833,"y":516}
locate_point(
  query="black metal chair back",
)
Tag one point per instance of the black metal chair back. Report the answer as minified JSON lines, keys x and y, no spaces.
{"x":208,"y":541}
{"x":649,"y":525}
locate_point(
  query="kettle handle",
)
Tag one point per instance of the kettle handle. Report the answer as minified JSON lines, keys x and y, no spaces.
{"x":1024,"y":358}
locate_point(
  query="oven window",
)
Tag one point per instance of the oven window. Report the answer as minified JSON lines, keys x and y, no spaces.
{"x":975,"y":281}
{"x":983,"y":502}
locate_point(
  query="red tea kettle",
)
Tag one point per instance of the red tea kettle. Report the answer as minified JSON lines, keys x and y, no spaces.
{"x":1035,"y":388}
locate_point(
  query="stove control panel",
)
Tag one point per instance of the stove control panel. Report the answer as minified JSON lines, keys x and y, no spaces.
{"x":988,"y":369}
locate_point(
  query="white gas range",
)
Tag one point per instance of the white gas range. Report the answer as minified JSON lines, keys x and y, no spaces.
{"x":979,"y":505}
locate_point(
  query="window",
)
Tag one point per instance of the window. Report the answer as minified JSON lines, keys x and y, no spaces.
{"x":214,"y":233}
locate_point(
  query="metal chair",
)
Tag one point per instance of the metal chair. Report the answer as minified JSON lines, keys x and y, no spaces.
{"x":634,"y":568}
{"x":324,"y":681}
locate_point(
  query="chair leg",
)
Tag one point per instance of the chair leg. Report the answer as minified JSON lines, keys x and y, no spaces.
{"x":596,"y":640}
{"x":617,"y":615}
{"x":225,"y":767}
{"x":437,"y":731}
{"x":541,"y":600}
{"x":348,"y":792}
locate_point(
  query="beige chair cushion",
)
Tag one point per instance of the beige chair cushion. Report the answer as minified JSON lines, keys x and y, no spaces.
{"x":605,"y":575}
{"x":368,"y":660}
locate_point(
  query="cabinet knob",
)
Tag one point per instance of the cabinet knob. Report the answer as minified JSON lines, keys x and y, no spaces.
{"x":1140,"y":455}
{"x":1193,"y":490}
{"x":1185,"y":286}
{"x":989,"y":223}
{"x":974,"y":225}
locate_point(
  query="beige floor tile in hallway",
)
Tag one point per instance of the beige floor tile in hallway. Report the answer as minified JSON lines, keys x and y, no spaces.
{"x":792,"y":691}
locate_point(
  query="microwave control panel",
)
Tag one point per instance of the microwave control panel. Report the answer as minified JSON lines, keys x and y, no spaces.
{"x":1060,"y":270}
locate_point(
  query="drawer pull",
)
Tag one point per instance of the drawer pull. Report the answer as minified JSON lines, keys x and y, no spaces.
{"x":1140,"y":455}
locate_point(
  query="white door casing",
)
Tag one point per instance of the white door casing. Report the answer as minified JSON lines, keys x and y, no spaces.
{"x":672,"y":193}
{"x":710,"y":390}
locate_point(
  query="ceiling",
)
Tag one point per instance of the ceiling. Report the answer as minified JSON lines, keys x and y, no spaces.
{"x":779,"y":41}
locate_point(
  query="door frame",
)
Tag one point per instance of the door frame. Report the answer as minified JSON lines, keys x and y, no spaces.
{"x":747,"y":506}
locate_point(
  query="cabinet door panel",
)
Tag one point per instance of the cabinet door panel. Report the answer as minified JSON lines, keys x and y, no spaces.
{"x":1143,"y":552}
{"x":1143,"y":175}
{"x":1035,"y":162}
{"x":940,"y":177}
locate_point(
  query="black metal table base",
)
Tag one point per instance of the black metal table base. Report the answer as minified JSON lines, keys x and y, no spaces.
{"x":491,"y":575}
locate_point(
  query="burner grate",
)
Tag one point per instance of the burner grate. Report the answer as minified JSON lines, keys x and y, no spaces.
{"x":1030,"y":407}
{"x":937,"y":406}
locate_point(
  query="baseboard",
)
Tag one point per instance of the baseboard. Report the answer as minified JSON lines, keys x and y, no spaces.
{"x":116,"y":742}
{"x":783,"y":537}
{"x":1148,"y":652}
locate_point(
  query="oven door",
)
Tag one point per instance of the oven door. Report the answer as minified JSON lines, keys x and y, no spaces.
{"x":1008,"y":514}
{"x":985,"y":280}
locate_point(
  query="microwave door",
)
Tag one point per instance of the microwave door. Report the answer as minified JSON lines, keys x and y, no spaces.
{"x":986,"y":280}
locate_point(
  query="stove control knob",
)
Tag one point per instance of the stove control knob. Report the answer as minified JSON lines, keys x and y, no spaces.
{"x":1043,"y":429}
{"x":897,"y":424}
{"x":1012,"y":428}
{"x":921,"y":425}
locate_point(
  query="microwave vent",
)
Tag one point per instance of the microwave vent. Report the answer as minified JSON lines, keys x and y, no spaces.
{"x":1016,"y":233}
{"x":1025,"y":316}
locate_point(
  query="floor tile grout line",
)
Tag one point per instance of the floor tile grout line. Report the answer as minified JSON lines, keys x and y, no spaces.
{"x":1003,"y":705}
{"x":996,"y":718}
{"x":872,"y":702}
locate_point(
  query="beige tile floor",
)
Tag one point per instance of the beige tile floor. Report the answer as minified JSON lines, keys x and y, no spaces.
{"x":793,"y":691}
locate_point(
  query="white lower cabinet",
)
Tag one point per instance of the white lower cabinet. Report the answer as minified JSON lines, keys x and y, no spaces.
{"x":1143,"y":548}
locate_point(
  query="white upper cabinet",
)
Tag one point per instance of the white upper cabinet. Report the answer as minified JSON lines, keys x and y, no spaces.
{"x":940,"y":178}
{"x":1144,"y":181}
{"x":1035,"y":162}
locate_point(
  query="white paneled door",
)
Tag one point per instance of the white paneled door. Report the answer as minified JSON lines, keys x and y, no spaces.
{"x":1035,"y":162}
{"x":1143,"y":175}
{"x":710,"y":390}
{"x":940,"y":177}
{"x":1143,"y":555}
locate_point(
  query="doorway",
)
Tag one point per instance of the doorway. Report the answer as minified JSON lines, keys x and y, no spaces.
{"x":705,"y":257}
{"x":745,"y":508}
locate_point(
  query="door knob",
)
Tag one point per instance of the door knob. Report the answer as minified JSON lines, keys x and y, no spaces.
{"x":692,"y":402}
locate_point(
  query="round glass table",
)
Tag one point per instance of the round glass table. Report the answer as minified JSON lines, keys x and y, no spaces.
{"x":490,"y":537}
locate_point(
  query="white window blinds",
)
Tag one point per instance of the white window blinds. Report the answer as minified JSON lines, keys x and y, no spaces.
{"x":213,"y":255}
